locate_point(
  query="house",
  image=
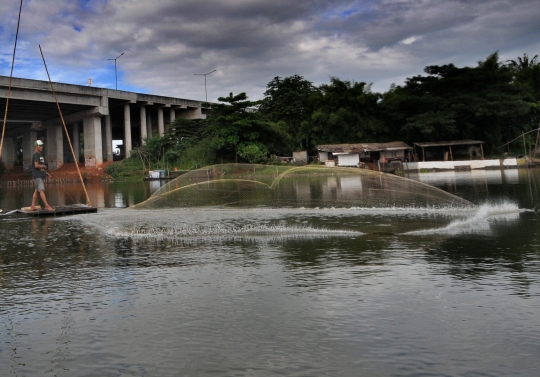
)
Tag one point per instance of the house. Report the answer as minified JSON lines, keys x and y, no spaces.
{"x":364,"y":154}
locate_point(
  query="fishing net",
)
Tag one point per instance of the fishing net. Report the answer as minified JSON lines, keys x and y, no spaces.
{"x":248,"y":185}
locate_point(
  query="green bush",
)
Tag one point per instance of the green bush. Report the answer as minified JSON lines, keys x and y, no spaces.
{"x":255,"y":153}
{"x":127,"y":168}
{"x":196,"y":156}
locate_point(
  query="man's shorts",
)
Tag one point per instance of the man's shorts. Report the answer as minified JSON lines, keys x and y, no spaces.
{"x":40,"y":185}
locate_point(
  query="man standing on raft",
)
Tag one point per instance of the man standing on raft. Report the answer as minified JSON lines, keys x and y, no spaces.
{"x":39,"y":174}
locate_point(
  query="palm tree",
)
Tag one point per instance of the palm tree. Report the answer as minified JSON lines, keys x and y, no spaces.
{"x":523,"y":63}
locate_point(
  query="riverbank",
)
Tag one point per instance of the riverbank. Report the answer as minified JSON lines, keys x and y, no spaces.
{"x":67,"y":172}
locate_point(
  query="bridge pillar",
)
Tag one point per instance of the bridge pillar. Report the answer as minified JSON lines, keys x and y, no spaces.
{"x":108,"y":138}
{"x":54,"y":149}
{"x":76,"y":141}
{"x":172,"y":115}
{"x":127,"y":130}
{"x":8,"y":153}
{"x":149,"y":124}
{"x":93,"y":153}
{"x":29,"y":137}
{"x":143,"y":124}
{"x":161,"y":123}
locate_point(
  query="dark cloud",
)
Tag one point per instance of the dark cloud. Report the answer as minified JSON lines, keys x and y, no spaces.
{"x":251,"y":41}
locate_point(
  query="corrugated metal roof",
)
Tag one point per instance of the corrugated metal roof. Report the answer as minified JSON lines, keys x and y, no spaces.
{"x":448,"y":143}
{"x":362,"y":147}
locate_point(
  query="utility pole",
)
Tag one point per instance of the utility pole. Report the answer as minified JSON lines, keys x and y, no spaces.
{"x":115,"y":76}
{"x":205,"y":74}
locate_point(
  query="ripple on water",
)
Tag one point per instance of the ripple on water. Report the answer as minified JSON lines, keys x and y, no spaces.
{"x":372,"y":303}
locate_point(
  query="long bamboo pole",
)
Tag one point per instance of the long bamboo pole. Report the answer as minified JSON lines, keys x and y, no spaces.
{"x":10,"y":80}
{"x":522,"y":134}
{"x":65,"y":129}
{"x":537,"y":143}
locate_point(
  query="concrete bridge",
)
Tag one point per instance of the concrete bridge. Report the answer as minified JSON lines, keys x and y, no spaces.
{"x":94,"y":118}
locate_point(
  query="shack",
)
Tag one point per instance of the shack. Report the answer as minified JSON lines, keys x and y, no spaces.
{"x":364,"y":154}
{"x":458,"y":150}
{"x":300,"y":157}
{"x":455,"y":155}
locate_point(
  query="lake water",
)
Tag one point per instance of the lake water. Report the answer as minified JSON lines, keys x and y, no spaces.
{"x":274,"y":292}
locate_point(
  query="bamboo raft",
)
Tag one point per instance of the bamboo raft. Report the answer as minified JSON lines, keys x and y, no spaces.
{"x":75,"y":209}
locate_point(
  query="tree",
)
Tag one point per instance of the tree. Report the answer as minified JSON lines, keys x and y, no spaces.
{"x":522,"y":63}
{"x":181,"y":134}
{"x":344,"y":112}
{"x":527,"y":72}
{"x":287,"y":103}
{"x":237,"y":128}
{"x":459,"y":103}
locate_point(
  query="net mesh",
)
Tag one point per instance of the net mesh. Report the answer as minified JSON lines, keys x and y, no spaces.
{"x":248,"y":185}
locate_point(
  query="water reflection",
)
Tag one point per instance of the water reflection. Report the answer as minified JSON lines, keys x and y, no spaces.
{"x":101,"y":194}
{"x":119,"y":201}
{"x":401,"y":292}
{"x":485,"y":259}
{"x":329,"y":188}
{"x":472,"y":177}
{"x":488,"y":186}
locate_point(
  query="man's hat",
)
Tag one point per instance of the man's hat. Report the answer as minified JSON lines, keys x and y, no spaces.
{"x":38,"y":143}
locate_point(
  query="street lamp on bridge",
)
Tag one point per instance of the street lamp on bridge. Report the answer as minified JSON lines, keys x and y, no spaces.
{"x":115,"y":76}
{"x":205,"y":74}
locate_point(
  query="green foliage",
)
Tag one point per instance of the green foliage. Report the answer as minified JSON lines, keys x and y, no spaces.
{"x":129,"y":168}
{"x":236,"y":125}
{"x":287,"y":102}
{"x":524,"y":63}
{"x":196,"y":156}
{"x":451,"y":103}
{"x":154,"y":146}
{"x":527,"y":72}
{"x":255,"y":153}
{"x":344,"y":112}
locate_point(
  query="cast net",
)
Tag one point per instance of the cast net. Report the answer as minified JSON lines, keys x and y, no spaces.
{"x":287,"y":186}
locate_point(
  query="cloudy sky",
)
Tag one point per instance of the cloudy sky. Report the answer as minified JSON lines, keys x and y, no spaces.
{"x":167,"y":44}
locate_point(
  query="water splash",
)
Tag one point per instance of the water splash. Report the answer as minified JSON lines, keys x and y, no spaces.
{"x":480,"y":222}
{"x":207,"y":225}
{"x":176,"y":231}
{"x":204,"y":225}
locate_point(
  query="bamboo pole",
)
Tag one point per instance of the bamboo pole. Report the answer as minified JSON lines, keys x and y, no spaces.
{"x":65,"y":128}
{"x":10,"y":80}
{"x":536,"y":144}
